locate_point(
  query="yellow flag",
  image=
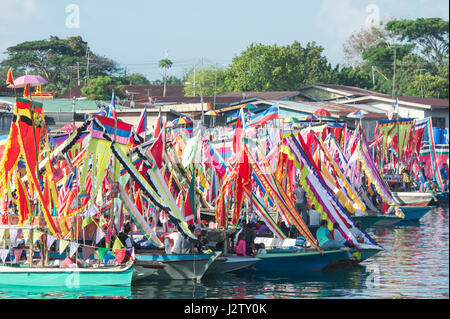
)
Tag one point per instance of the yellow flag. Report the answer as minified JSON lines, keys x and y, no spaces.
{"x":37,"y":235}
{"x":62,"y":245}
{"x":117,"y":244}
{"x":26,"y":234}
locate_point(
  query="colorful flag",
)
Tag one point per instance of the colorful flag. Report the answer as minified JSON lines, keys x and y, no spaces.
{"x":9,"y":78}
{"x":238,"y":133}
{"x":142,"y":126}
{"x":112,"y":107}
{"x":157,"y":150}
{"x":26,"y":92}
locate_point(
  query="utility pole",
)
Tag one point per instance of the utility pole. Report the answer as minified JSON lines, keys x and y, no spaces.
{"x":201,"y":101}
{"x":194,"y":80}
{"x":78,"y":72}
{"x":87,"y":67}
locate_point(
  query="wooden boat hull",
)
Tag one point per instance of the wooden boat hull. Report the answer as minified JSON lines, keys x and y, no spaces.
{"x":414,"y":213}
{"x":298,"y":261}
{"x":413,"y":198}
{"x":179,"y":267}
{"x":66,"y":277}
{"x":144,"y":269}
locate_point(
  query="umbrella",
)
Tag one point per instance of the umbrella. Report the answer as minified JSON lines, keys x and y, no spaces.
{"x":322,"y":113}
{"x":31,"y":80}
{"x":311,"y":118}
{"x":357,"y":114}
{"x":180,"y":121}
{"x":250,"y":106}
{"x":212,"y":113}
{"x":68,"y":128}
{"x":290,"y":120}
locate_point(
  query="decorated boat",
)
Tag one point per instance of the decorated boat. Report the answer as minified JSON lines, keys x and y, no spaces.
{"x":176,"y":266}
{"x":415,"y":213}
{"x":413,"y":198}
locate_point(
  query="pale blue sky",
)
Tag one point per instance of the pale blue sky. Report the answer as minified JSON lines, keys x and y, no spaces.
{"x":137,"y":34}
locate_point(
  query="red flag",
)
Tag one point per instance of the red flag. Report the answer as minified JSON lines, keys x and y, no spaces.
{"x":142,"y":126}
{"x":158,"y":126}
{"x":237,"y":136}
{"x":120,"y":255}
{"x":157,"y":150}
{"x":9,"y":78}
{"x":26,"y":92}
{"x":188,"y":214}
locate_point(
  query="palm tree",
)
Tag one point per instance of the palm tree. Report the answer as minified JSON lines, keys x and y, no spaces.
{"x":165,"y":64}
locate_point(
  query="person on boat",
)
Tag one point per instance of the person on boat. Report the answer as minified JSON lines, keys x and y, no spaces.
{"x":357,"y":232}
{"x":250,"y":235}
{"x":326,"y":242}
{"x":428,"y":185}
{"x":314,"y":216}
{"x":261,"y":248}
{"x":444,"y":175}
{"x":240,"y":248}
{"x":301,"y":203}
{"x":406,"y":179}
{"x":124,"y":237}
{"x":337,"y":236}
{"x":71,"y":262}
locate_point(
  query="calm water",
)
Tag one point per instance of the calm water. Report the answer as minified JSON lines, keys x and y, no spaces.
{"x":414,"y":264}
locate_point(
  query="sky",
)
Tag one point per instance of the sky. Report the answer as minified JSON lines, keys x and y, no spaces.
{"x":137,"y":33}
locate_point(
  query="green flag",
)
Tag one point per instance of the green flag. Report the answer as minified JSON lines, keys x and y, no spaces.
{"x":102,"y":253}
{"x":190,"y":150}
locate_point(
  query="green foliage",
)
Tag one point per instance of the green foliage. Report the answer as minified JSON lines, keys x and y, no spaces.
{"x":212,"y":79}
{"x":431,"y":35}
{"x":272,"y":67}
{"x":131,"y":79}
{"x":56,"y":60}
{"x":100,"y":88}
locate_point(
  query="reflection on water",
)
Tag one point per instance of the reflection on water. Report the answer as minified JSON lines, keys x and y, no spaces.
{"x":414,"y":264}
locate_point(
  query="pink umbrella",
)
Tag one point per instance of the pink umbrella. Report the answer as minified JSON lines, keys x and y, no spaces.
{"x":68,"y":128}
{"x":31,"y":80}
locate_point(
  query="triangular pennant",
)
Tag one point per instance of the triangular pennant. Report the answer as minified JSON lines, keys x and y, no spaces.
{"x":102,"y":253}
{"x":87,"y":251}
{"x":36,"y":235}
{"x":92,"y":211}
{"x":50,"y":241}
{"x":99,"y":235}
{"x":73,"y":248}
{"x":62,"y":245}
{"x":26,"y":234}
{"x":2,"y":234}
{"x":3,"y":254}
{"x":120,"y":255}
{"x":86,"y":221}
{"x":13,"y":235}
{"x":117,"y":244}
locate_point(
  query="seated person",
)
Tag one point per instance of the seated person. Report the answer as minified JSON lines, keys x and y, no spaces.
{"x":261,"y":248}
{"x":240,"y":248}
{"x":325,"y":240}
{"x":356,"y":231}
{"x":337,"y":236}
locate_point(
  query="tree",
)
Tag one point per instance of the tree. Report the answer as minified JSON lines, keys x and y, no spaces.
{"x":59,"y":61}
{"x":131,"y":79}
{"x":359,"y":42}
{"x":272,"y":67}
{"x":100,"y":88}
{"x":165,"y":64}
{"x":213,"y":81}
{"x":431,"y":35}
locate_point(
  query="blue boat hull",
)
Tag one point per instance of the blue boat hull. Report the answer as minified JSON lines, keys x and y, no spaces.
{"x":298,"y":261}
{"x":414,"y":213}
